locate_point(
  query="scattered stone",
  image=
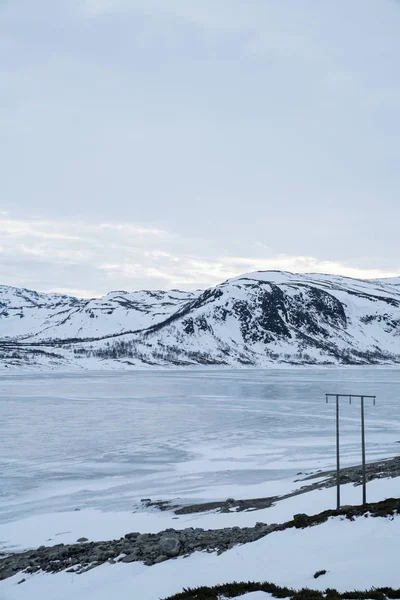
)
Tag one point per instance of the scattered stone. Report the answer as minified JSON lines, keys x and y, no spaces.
{"x":170,"y":546}
{"x":155,"y":548}
{"x":162,"y":505}
{"x":6,"y":573}
{"x":132,"y":536}
{"x":130,"y":558}
{"x":22,"y":581}
{"x":81,"y":540}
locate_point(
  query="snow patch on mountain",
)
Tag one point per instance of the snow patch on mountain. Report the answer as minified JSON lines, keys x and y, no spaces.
{"x":257,"y":319}
{"x":30,"y":316}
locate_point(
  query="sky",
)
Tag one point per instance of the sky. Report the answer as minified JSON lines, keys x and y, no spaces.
{"x":177,"y":143}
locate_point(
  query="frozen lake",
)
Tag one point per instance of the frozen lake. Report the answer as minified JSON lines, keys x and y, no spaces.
{"x":107,"y":439}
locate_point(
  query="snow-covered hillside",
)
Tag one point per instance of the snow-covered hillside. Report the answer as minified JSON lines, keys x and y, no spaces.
{"x":256,"y":319}
{"x":29,"y":316}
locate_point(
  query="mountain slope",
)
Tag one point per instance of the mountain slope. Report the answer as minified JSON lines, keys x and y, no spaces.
{"x":257,"y":319}
{"x":29,"y":316}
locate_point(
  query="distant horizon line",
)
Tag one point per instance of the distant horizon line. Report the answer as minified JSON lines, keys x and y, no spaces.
{"x":189,"y":291}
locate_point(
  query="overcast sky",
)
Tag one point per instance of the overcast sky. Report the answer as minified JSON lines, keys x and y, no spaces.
{"x":176,"y":143}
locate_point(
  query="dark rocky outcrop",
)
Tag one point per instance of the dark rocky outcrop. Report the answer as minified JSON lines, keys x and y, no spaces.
{"x":155,"y":548}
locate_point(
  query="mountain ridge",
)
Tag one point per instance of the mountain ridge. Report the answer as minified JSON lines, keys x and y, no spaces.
{"x":256,"y":319}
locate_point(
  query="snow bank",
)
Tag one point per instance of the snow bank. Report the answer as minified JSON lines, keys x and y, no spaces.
{"x":356,"y":555}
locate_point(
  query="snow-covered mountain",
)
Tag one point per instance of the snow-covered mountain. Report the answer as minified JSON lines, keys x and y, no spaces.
{"x":27,"y":315}
{"x":260,"y":318}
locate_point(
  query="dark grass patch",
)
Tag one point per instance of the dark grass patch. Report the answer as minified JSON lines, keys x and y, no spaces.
{"x":234,"y":590}
{"x":385,"y":508}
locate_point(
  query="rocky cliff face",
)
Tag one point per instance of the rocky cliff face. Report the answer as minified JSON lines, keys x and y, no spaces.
{"x":257,"y":319}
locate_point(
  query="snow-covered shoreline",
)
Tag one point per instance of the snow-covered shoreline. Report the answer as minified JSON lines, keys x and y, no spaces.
{"x":356,"y":553}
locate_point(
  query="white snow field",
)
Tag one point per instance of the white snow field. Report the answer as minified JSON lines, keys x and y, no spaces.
{"x":80,"y":451}
{"x":356,"y":555}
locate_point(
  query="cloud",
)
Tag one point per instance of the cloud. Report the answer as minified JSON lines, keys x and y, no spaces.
{"x":230,"y":15}
{"x":74,"y":292}
{"x":283,"y":44}
{"x":266,"y":30}
{"x":89,"y":259}
{"x":134,"y":230}
{"x":42,"y":229}
{"x":225,"y":267}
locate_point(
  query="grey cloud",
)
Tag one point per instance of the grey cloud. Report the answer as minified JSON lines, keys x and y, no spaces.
{"x":211,"y":124}
{"x":102,"y":257}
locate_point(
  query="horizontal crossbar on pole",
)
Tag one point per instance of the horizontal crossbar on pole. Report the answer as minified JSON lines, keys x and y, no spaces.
{"x":348,"y":396}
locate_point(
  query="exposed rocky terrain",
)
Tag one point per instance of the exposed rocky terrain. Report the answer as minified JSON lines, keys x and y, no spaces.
{"x":155,"y":548}
{"x":388,"y":468}
{"x":258,"y":319}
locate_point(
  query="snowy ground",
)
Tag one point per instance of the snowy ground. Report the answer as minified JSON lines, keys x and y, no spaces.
{"x":102,"y":441}
{"x":66,"y":527}
{"x":356,"y":555}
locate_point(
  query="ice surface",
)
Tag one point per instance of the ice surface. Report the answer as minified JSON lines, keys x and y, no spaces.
{"x":99,"y":442}
{"x":95,"y":525}
{"x":105,"y":440}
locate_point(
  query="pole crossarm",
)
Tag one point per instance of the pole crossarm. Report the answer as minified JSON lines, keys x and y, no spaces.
{"x":349,"y":396}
